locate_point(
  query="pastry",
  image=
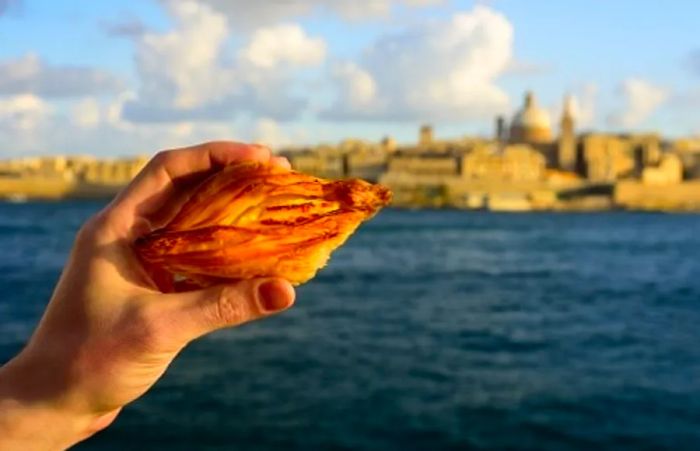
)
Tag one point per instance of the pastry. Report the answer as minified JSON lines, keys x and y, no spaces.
{"x":260,"y":220}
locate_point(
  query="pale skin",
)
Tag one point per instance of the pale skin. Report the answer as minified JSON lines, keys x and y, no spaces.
{"x":109,"y":333}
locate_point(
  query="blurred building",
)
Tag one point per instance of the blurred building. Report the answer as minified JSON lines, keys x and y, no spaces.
{"x":66,"y":176}
{"x":604,"y":158}
{"x":531,"y":124}
{"x":688,"y":150}
{"x":566,"y":148}
{"x":522,"y":166}
{"x":515,"y":162}
{"x":668,"y":171}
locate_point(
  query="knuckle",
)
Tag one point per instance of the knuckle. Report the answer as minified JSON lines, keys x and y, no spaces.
{"x":232,"y":307}
{"x":91,"y":228}
{"x":87,"y":230}
{"x":161,"y":157}
{"x":95,"y":229}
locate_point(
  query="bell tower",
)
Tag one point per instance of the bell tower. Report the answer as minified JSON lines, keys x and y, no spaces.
{"x":566,"y":154}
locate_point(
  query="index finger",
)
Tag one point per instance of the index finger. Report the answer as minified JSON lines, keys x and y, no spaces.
{"x":158,"y":189}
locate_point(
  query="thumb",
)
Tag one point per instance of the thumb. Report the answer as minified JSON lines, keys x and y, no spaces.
{"x":196,"y":313}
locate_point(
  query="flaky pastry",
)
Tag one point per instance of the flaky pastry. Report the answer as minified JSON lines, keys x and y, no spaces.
{"x":260,"y":220}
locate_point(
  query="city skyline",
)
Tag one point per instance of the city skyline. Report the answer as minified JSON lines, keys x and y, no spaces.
{"x":160,"y":74}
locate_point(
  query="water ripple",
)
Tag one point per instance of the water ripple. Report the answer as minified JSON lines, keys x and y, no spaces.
{"x":429,"y":330}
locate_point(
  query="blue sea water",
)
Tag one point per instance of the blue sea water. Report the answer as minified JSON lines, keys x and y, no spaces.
{"x":428,"y":330}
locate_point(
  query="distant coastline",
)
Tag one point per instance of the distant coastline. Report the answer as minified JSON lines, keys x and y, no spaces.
{"x":626,"y":195}
{"x":523,"y":167}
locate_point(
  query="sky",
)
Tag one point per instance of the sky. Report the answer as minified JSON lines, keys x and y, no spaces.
{"x":114,"y":78}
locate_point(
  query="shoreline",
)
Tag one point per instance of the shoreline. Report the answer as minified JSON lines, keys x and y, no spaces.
{"x":4,"y":200}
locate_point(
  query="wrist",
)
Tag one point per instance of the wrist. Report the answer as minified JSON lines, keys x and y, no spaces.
{"x":35,"y":411}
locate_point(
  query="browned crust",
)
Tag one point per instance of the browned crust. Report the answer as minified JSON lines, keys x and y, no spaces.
{"x":252,"y":220}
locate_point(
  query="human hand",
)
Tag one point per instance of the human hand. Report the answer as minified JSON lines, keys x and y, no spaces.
{"x":109,"y":332}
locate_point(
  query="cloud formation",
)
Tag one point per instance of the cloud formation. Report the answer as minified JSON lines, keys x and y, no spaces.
{"x":246,"y":15}
{"x":30,"y":74}
{"x":431,"y":71}
{"x":87,"y":113}
{"x":246,"y":70}
{"x":275,"y":46}
{"x":22,"y":112}
{"x":188,"y":74}
{"x":269,"y":132}
{"x":521,"y":68}
{"x":641,"y":99}
{"x":584,"y":105}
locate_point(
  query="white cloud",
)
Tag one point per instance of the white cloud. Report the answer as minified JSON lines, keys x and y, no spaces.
{"x":438,"y":70}
{"x":30,"y":124}
{"x":30,"y":73}
{"x":423,"y":2}
{"x":286,"y":43}
{"x":584,"y":101}
{"x":247,"y":15}
{"x":182,"y":66}
{"x":522,"y":68}
{"x":204,"y":78}
{"x":86,"y":113}
{"x":268,"y":132}
{"x":58,"y":134}
{"x":354,"y":10}
{"x":272,"y":134}
{"x":641,"y":98}
{"x":359,"y":88}
{"x":187,"y":73}
{"x":22,"y":112}
{"x":21,"y":118}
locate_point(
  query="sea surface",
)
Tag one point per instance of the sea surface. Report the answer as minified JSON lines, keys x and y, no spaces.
{"x":429,"y":330}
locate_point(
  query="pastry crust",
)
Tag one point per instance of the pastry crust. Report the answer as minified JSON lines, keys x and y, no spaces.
{"x":259,"y":220}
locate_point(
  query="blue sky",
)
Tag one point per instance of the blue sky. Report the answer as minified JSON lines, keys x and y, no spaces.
{"x":114,"y":78}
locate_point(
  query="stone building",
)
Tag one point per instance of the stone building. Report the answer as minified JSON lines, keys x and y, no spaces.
{"x":531,"y":124}
{"x":668,"y":171}
{"x":688,"y":150}
{"x":425,"y":164}
{"x":349,"y":158}
{"x":321,"y":161}
{"x":426,"y":136}
{"x":514,"y":163}
{"x":604,"y":158}
{"x":388,"y":145}
{"x":111,"y":172}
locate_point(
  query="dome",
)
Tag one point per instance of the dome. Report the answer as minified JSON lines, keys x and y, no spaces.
{"x":531,"y":123}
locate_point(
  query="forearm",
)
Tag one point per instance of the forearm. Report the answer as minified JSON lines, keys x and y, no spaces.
{"x":32,"y":416}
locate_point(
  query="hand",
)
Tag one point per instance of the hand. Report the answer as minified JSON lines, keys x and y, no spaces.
{"x":108,"y":332}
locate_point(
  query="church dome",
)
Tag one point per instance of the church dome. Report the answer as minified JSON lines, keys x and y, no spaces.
{"x":531,"y":123}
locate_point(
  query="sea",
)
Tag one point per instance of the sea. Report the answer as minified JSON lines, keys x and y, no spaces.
{"x":428,"y":330}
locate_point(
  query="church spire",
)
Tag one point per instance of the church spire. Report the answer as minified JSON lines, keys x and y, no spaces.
{"x":529,"y":99}
{"x":568,"y":111}
{"x":567,"y":138}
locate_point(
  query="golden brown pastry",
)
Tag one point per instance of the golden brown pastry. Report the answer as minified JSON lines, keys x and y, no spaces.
{"x":254,"y":220}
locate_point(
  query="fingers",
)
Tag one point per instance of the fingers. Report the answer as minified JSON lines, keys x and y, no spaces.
{"x":170,"y":174}
{"x":196,"y":313}
{"x":171,"y":168}
{"x":282,"y":162}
